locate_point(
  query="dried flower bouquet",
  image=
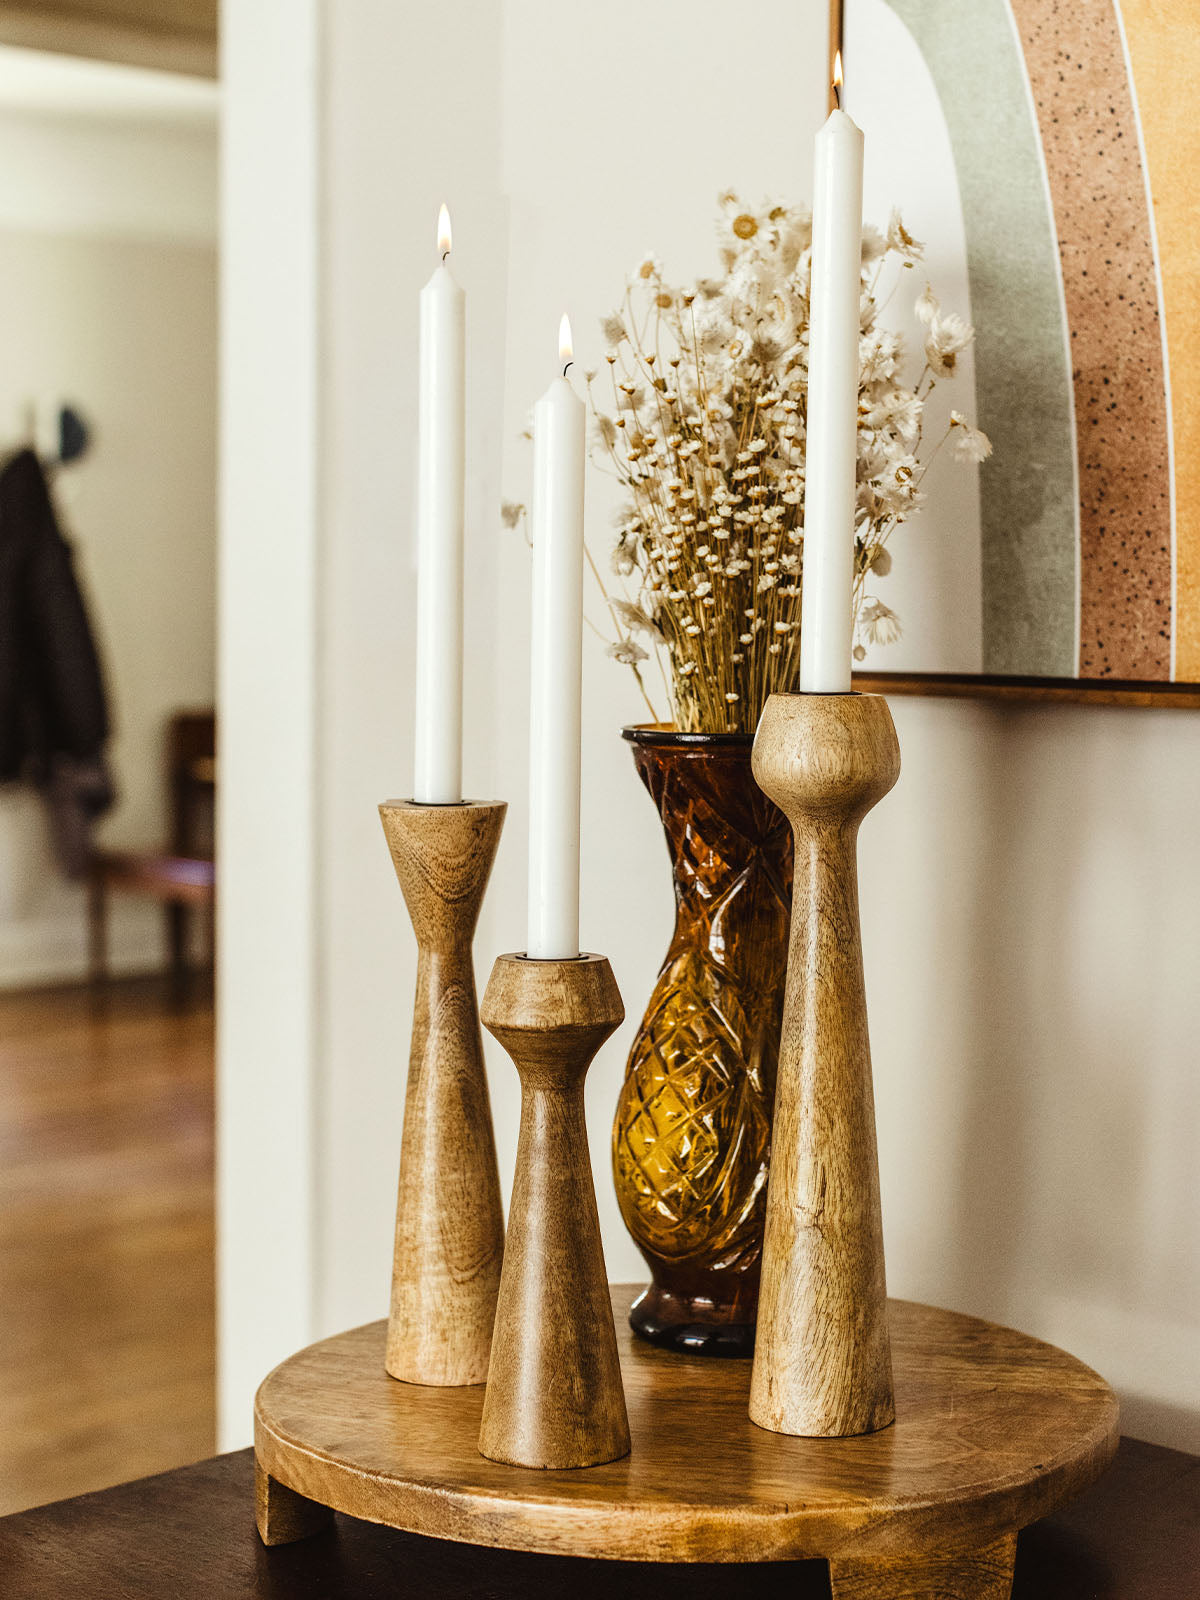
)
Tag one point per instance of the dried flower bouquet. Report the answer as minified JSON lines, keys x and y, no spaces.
{"x":705,"y":431}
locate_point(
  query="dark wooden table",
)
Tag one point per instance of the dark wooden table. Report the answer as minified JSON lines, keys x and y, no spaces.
{"x":1134,"y":1536}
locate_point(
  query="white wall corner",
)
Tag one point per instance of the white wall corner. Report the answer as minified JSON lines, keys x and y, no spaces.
{"x":269,"y":556}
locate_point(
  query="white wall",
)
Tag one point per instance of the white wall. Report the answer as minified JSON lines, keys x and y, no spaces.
{"x":271,"y":658}
{"x":1032,"y":944}
{"x":1031,"y":937}
{"x":108,"y":290}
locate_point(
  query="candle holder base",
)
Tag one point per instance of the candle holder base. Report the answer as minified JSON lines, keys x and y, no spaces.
{"x":822,"y":1363}
{"x":449,"y":1220}
{"x":994,"y":1430}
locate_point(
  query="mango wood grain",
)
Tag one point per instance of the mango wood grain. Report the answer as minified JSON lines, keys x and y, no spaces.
{"x":993,"y":1430}
{"x":449,"y":1217}
{"x":282,"y":1515}
{"x":822,"y":1364}
{"x":554,"y":1396}
{"x":979,"y":1575}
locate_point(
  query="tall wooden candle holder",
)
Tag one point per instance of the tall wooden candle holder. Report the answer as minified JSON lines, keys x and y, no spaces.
{"x":449,"y":1220}
{"x":554,"y":1394}
{"x":822,"y":1363}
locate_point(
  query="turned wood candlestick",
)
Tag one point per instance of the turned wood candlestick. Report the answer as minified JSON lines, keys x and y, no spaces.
{"x":822,"y":1363}
{"x":554,"y":1396}
{"x":449,"y":1220}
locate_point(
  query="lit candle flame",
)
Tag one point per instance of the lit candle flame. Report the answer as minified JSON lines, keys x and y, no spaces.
{"x":838,"y":78}
{"x":444,"y":236}
{"x":566,"y":348}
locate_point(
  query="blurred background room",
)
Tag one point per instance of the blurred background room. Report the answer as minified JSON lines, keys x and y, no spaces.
{"x":108,"y":283}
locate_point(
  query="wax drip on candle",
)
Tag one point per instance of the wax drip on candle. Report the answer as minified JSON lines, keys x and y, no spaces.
{"x":838,"y":79}
{"x":566,"y":346}
{"x":445,"y":236}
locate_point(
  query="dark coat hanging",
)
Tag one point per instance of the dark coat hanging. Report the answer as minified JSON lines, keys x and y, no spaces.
{"x":54,"y":719}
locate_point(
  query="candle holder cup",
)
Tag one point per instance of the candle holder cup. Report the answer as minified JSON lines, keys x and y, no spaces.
{"x":822,"y":1363}
{"x":449,"y":1220}
{"x":554,"y":1395}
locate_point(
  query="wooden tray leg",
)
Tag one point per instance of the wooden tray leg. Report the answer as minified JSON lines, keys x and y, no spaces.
{"x":985,"y":1574}
{"x":284,"y":1516}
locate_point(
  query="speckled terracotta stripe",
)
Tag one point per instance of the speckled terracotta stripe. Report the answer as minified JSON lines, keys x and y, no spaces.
{"x":1081,"y":89}
{"x":1028,"y":505}
{"x":1164,"y":47}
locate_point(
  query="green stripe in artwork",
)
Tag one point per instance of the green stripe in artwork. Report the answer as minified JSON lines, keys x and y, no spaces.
{"x":1023,"y":382}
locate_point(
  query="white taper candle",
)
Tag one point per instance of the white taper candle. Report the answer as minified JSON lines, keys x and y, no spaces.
{"x":556,"y":668}
{"x":437,"y":764}
{"x":831,"y":454}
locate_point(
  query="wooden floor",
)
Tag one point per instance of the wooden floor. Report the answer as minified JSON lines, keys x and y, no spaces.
{"x":106,"y":1238}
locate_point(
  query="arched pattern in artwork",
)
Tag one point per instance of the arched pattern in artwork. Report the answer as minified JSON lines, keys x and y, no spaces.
{"x":1060,"y":177}
{"x":1080,"y":81}
{"x":1163,"y":38}
{"x":1028,"y":514}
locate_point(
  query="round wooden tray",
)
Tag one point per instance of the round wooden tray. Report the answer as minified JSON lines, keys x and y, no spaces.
{"x":993,"y":1429}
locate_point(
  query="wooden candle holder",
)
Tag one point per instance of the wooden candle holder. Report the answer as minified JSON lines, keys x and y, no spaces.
{"x":554,"y":1395}
{"x":822,"y":1363}
{"x":449,"y":1218}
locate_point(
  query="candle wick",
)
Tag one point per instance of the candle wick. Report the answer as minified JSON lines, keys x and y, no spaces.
{"x":569,"y":364}
{"x":445,"y":254}
{"x":837,"y":95}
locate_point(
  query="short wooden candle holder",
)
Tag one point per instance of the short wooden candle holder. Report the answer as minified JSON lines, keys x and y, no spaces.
{"x":554,"y":1396}
{"x":822,"y":1362}
{"x":449,"y":1218}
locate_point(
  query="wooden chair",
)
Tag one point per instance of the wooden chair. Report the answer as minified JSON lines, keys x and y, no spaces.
{"x":183,"y":876}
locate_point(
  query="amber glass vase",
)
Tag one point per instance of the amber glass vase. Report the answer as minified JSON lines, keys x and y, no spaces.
{"x":692,"y":1136}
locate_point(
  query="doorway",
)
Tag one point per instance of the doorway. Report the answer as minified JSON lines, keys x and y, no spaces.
{"x":108,"y":302}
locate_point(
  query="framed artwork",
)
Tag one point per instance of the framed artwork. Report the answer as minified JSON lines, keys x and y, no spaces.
{"x":1069,"y":203}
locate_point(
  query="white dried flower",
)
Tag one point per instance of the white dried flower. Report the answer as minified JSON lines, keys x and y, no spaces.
{"x":613,"y":328}
{"x":627,"y":651}
{"x":635,"y":619}
{"x":926,"y":306}
{"x":948,"y":335}
{"x":873,"y":245}
{"x":879,"y":623}
{"x":970,"y":444}
{"x":894,"y":410}
{"x":623,"y":560}
{"x":901,"y":241}
{"x":711,"y":409}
